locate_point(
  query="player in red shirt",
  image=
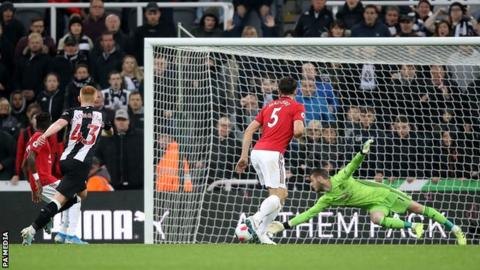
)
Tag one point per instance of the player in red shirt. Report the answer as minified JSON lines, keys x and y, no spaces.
{"x":37,"y":161}
{"x":37,"y":165}
{"x":280,"y":120}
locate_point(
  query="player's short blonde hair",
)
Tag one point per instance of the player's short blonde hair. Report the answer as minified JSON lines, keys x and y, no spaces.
{"x":88,"y":94}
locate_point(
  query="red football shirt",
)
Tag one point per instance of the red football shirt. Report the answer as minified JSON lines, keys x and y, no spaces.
{"x":277,"y":119}
{"x":43,"y":161}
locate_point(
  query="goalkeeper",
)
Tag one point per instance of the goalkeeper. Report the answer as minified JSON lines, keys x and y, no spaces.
{"x":379,"y":199}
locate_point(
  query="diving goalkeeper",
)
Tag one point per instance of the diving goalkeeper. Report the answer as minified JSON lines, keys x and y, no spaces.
{"x":379,"y":199}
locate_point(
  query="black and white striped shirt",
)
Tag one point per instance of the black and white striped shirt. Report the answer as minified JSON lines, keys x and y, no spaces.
{"x":84,"y":127}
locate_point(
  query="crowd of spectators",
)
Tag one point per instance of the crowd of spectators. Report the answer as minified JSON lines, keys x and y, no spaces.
{"x":425,"y":118}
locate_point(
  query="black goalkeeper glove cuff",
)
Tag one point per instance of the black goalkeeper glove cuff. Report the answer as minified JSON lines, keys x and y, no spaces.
{"x":286,"y":225}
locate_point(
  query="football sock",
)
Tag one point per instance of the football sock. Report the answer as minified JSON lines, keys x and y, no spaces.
{"x":267,"y":220}
{"x":64,"y":225}
{"x":268,"y":206}
{"x":393,"y":223}
{"x":46,"y":213}
{"x":73,"y":216}
{"x":438,"y":217}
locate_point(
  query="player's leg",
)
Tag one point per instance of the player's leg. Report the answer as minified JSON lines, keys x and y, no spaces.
{"x":48,"y":193}
{"x":46,"y":214}
{"x":62,"y":234}
{"x":271,"y":171}
{"x":379,"y":215}
{"x":440,"y":218}
{"x":73,"y":214}
{"x":72,"y":182}
{"x":270,"y":208}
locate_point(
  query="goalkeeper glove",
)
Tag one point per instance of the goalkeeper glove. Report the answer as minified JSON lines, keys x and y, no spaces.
{"x":366,"y":146}
{"x":276,"y":227}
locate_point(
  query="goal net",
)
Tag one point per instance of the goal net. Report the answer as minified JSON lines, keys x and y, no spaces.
{"x":417,"y":97}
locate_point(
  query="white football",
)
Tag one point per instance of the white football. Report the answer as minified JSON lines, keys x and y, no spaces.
{"x":242,"y":233}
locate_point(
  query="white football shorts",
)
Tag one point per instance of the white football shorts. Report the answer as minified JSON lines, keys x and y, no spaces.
{"x":270,"y":168}
{"x":49,"y":191}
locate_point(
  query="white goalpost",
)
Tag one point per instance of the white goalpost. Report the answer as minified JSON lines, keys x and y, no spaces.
{"x":418,"y":97}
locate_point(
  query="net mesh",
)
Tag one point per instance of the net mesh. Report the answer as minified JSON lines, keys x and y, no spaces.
{"x":420,"y":103}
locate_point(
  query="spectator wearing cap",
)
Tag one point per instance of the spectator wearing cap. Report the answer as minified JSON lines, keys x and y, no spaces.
{"x":37,"y":25}
{"x":76,"y":30}
{"x":391,"y":19}
{"x":12,"y":28}
{"x":122,"y":153}
{"x":422,"y":13}
{"x":407,"y":23}
{"x":208,"y":27}
{"x":106,"y":60}
{"x":94,"y":23}
{"x":32,"y":68}
{"x":135,"y":110}
{"x":370,"y":26}
{"x":64,"y":63}
{"x":112,"y":25}
{"x":116,"y":96}
{"x":315,"y":21}
{"x":154,"y":27}
{"x":351,"y":13}
{"x":461,"y":23}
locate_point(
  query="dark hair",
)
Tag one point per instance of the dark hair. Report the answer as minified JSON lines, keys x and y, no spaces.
{"x":337,"y":24}
{"x":319,"y":172}
{"x":36,"y":19}
{"x":107,"y":33}
{"x":81,"y":65}
{"x":33,"y":106}
{"x":43,"y":121}
{"x":427,"y":2}
{"x":401,"y":119}
{"x":202,"y":20}
{"x":437,"y":25}
{"x":287,"y":86}
{"x":114,"y":72}
{"x":370,"y":6}
{"x":134,"y":93}
{"x":458,"y":4}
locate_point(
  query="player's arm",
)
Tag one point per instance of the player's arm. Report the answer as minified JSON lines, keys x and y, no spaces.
{"x":55,"y":127}
{"x":298,"y":121}
{"x":52,"y":129}
{"x":276,"y":226}
{"x":28,"y":165}
{"x":247,"y":141}
{"x":351,"y":167}
{"x":298,"y":128}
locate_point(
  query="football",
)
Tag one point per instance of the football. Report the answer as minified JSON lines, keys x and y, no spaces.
{"x":242,"y":233}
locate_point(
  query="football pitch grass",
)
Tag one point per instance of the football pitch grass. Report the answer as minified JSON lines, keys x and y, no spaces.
{"x":244,"y":257}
